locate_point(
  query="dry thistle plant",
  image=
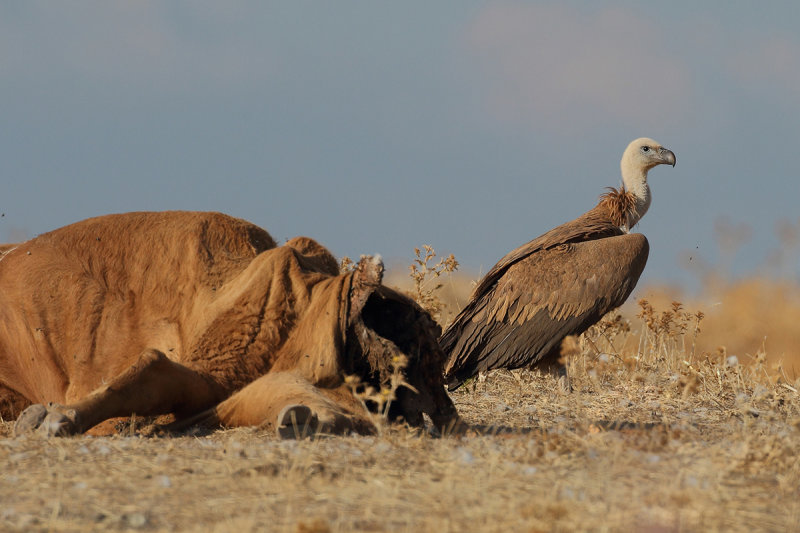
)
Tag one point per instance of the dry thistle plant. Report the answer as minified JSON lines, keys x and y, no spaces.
{"x":423,"y":272}
{"x":607,"y":335}
{"x":378,"y":403}
{"x":664,"y":333}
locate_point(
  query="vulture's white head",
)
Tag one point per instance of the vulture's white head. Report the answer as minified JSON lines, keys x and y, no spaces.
{"x":638,"y":158}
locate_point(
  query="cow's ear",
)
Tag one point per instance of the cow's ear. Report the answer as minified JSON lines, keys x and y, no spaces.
{"x":367,"y":277}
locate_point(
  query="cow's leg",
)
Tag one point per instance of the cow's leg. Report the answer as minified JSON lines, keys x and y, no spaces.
{"x":293,"y":407}
{"x":153,"y":385}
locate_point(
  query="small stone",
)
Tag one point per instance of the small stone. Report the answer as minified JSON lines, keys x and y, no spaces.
{"x":136,"y":520}
{"x":103,"y":450}
{"x":465,"y":456}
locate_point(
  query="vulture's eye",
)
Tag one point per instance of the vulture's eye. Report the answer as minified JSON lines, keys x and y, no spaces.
{"x":645,"y":149}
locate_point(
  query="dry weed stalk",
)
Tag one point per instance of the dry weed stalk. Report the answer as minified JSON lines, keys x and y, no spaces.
{"x":423,"y":273}
{"x":379,"y":402}
{"x":665,"y":333}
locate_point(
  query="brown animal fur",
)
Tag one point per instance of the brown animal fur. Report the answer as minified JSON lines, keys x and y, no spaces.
{"x":201,"y":315}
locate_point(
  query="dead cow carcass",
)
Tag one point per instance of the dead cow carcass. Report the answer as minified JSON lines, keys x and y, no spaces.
{"x":201,"y":315}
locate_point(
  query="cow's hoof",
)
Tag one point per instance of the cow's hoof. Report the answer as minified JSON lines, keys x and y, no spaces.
{"x":296,"y":422}
{"x":58,"y":424}
{"x":30,"y":419}
{"x":52,"y":420}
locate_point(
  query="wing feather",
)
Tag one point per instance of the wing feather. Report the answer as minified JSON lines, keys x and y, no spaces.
{"x":592,"y":225}
{"x":539,"y":299}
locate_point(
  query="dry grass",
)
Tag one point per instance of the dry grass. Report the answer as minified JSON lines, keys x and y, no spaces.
{"x":745,"y":317}
{"x":657,"y":433}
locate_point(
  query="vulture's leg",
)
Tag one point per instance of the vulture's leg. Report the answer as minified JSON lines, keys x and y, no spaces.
{"x":551,"y":364}
{"x":293,"y":407}
{"x":153,"y":385}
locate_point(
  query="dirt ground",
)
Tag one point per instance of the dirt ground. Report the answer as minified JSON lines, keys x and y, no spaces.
{"x":651,"y":433}
{"x":654,"y":445}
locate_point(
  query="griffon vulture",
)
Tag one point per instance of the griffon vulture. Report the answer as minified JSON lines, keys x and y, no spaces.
{"x":558,"y":284}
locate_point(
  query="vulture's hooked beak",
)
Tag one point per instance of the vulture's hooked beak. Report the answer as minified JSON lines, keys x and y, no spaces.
{"x":667,"y":156}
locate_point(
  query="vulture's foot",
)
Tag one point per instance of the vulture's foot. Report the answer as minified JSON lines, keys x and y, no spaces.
{"x":52,"y":420}
{"x":563,"y":382}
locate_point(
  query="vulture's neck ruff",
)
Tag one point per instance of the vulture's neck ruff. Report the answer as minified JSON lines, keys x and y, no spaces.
{"x":621,"y":206}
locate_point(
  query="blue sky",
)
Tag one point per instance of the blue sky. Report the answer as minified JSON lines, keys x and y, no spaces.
{"x":377,"y":127}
